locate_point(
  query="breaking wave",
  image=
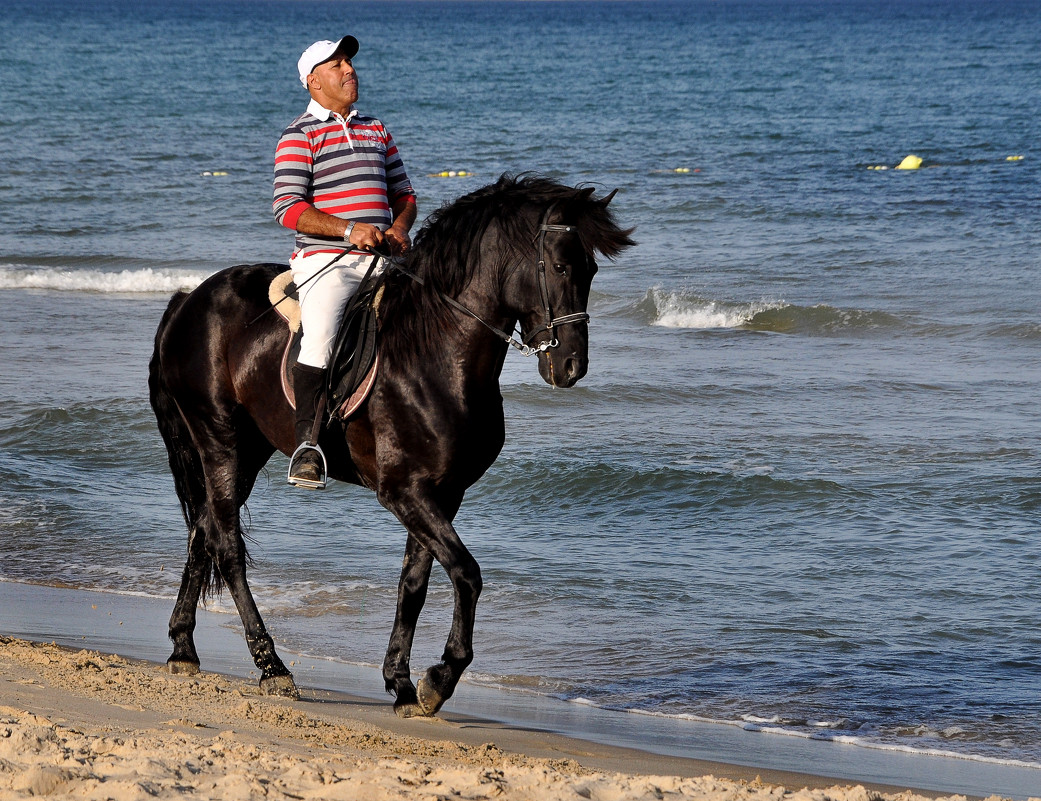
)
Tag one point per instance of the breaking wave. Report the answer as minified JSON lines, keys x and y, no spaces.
{"x":130,"y":281}
{"x":671,"y":309}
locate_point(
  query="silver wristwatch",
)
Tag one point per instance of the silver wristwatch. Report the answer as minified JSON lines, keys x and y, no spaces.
{"x":347,"y":233}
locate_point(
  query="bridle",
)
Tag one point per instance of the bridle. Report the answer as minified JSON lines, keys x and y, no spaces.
{"x":549,"y":322}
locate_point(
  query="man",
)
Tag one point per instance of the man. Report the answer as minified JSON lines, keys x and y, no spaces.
{"x":341,"y":185}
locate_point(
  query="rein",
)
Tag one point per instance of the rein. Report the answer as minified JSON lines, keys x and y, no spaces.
{"x":318,"y":274}
{"x":549,"y":321}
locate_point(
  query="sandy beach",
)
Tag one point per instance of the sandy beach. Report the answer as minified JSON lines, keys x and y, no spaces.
{"x":87,"y":725}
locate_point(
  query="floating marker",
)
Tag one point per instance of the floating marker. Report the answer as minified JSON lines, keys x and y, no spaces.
{"x":215,"y":173}
{"x":911,"y":162}
{"x":1014,"y":158}
{"x":451,"y":174}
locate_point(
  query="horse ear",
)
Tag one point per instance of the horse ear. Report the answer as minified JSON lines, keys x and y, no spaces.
{"x":579,"y":200}
{"x":608,"y":198}
{"x":581,"y":196}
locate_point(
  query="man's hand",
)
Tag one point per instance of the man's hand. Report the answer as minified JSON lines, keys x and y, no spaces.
{"x":398,"y":239}
{"x":366,"y":236}
{"x":363,"y":235}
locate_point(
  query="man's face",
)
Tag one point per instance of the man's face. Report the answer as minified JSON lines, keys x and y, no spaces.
{"x":334,"y":83}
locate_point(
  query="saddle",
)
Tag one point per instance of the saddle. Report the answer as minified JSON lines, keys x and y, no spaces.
{"x":355,"y":357}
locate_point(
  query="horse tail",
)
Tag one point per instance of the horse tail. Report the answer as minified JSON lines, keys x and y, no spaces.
{"x":185,"y":463}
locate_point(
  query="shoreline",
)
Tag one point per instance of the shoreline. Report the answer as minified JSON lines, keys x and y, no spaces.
{"x":518,"y":727}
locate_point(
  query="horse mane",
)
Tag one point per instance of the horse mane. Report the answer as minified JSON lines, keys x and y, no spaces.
{"x":448,"y":249}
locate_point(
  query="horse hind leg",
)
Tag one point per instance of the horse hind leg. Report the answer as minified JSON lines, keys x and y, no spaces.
{"x":230,"y":470}
{"x":186,"y":468}
{"x":185,"y":659}
{"x":228,"y":453}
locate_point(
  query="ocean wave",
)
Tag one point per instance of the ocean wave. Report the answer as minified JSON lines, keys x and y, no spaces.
{"x":679,"y":309}
{"x":132,"y":281}
{"x":683,"y":310}
{"x":674,"y":488}
{"x":823,"y":320}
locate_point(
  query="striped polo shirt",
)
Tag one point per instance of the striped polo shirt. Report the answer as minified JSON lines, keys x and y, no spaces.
{"x":348,"y":167}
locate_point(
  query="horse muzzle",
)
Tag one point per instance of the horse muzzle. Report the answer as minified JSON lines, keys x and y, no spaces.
{"x":562,"y":369}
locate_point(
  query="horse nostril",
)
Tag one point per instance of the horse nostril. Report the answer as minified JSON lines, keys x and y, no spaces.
{"x":573,"y":369}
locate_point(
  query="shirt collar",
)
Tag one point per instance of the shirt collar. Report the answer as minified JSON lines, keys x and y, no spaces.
{"x":320,"y":112}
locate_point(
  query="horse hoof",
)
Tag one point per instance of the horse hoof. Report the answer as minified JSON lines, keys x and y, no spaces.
{"x":282,"y":686}
{"x":428,"y":698}
{"x":410,"y":711}
{"x":182,"y":668}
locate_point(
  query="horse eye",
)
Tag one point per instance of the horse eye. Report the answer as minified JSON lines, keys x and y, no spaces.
{"x":560,"y":268}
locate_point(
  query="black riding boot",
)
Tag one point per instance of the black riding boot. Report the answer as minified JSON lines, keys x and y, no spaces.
{"x":308,"y":465}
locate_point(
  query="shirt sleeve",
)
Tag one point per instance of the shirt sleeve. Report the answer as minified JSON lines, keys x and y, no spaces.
{"x":398,"y":184}
{"x":293,"y":177}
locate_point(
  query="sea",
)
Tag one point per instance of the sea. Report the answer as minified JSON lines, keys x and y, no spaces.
{"x":799,"y":491}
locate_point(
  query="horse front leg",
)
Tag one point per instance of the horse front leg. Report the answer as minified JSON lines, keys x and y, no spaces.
{"x":412,"y":593}
{"x":431,"y":529}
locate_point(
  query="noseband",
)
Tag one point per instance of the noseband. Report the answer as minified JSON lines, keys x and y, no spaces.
{"x":549,"y":321}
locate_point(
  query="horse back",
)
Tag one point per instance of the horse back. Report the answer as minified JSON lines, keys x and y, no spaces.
{"x":219,"y":348}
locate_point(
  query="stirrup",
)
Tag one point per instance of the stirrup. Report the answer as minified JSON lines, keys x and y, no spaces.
{"x":307,"y":483}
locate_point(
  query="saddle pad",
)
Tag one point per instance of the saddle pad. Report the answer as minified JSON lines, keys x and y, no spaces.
{"x":282,"y":294}
{"x":350,"y":405}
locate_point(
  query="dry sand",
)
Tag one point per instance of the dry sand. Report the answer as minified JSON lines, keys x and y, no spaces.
{"x":83,"y":725}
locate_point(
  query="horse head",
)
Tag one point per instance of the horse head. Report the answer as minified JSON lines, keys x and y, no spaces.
{"x":520,"y":250}
{"x":553,"y":297}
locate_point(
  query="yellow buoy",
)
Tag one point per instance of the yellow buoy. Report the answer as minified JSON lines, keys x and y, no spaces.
{"x":1014,"y":158}
{"x":909,"y":163}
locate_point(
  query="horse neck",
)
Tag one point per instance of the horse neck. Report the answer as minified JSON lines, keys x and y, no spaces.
{"x":478,"y":351}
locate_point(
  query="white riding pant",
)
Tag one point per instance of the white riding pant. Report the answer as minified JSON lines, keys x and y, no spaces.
{"x":323,"y":299}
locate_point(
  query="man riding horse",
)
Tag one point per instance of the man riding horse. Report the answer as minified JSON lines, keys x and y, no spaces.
{"x":341,"y":185}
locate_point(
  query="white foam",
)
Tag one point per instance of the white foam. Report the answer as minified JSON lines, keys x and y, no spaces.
{"x":141,"y":280}
{"x":677,"y":310}
{"x":758,"y":725}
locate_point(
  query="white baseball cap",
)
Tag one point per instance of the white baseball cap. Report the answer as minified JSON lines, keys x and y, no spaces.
{"x":323,"y":51}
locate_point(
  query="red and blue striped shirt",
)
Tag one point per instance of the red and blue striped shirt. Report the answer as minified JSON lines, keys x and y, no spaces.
{"x":348,"y":167}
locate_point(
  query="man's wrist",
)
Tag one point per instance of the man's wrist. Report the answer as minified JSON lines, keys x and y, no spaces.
{"x":347,"y":230}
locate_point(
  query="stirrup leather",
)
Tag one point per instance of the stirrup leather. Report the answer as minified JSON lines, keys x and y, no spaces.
{"x":307,"y":483}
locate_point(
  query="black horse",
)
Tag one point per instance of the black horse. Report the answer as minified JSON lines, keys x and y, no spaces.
{"x":518,"y":251}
